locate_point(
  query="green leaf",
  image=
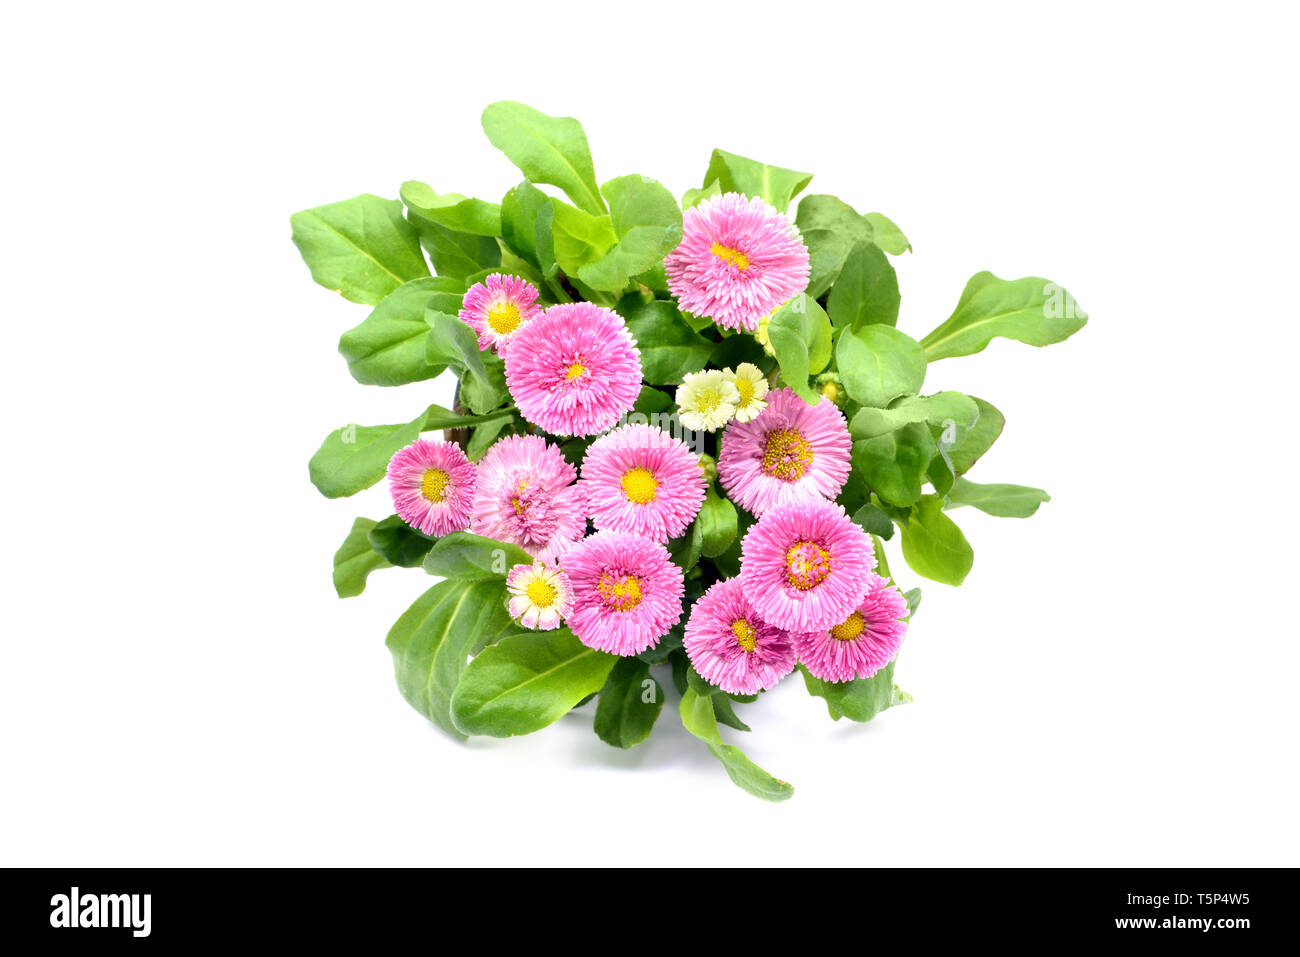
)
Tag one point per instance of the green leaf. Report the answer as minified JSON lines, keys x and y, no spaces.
{"x":629,"y":704}
{"x":452,"y":211}
{"x":831,"y":229}
{"x":579,"y":237}
{"x":934,"y":546}
{"x":878,"y":364}
{"x":718,"y":524}
{"x":736,"y":174}
{"x":726,"y":714}
{"x":800,"y":333}
{"x":525,"y":682}
{"x":874,"y":520}
{"x":858,"y":700}
{"x":483,"y":436}
{"x":432,"y":640}
{"x":355,"y":560}
{"x":668,"y":346}
{"x":699,"y":719}
{"x":935,"y":410}
{"x":1004,"y":501}
{"x":695,"y":196}
{"x":389,"y":347}
{"x":1030,"y":310}
{"x":686,"y":548}
{"x":913,"y":598}
{"x":866,"y":292}
{"x":355,"y":457}
{"x":548,"y":149}
{"x":458,"y":255}
{"x":894,"y":464}
{"x":399,"y":543}
{"x":648,"y":226}
{"x":886,"y":235}
{"x":452,"y":343}
{"x":362,"y":247}
{"x":519,"y":211}
{"x":972,"y":442}
{"x":472,"y":557}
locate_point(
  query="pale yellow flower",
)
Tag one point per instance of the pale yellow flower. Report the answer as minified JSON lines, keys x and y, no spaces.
{"x":706,"y":401}
{"x":751,"y":386}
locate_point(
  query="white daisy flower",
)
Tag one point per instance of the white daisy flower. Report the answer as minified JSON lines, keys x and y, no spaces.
{"x":706,"y":401}
{"x":540,"y":595}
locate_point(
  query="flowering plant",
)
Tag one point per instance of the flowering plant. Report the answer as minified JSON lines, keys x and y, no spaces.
{"x":681,"y":434}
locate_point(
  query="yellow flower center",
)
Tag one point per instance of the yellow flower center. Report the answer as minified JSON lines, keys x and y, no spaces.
{"x":706,"y":400}
{"x":541,"y":593}
{"x":503,"y":318}
{"x":575,"y":371}
{"x":729,"y":255}
{"x":639,"y":485}
{"x":746,"y":390}
{"x":806,"y":565}
{"x":786,"y":455}
{"x":745,"y":636}
{"x":434,"y":485}
{"x":850,"y":628}
{"x":621,"y":592}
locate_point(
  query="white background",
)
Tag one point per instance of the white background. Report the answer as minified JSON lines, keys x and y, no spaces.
{"x":1115,"y":683}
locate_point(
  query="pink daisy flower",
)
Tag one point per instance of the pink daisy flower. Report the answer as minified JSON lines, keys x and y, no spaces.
{"x":861,"y":644}
{"x":792,"y":452}
{"x":806,"y":565}
{"x":738,"y":260}
{"x":731,"y":646}
{"x":540,"y":596}
{"x":574,"y":369}
{"x":496,"y":307}
{"x":640,"y":479}
{"x":627,"y":592}
{"x":526,"y":495}
{"x":432,"y":484}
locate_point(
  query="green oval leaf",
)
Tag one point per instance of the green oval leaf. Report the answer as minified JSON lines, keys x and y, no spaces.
{"x":399,"y":543}
{"x":866,"y":291}
{"x":434,"y":638}
{"x":831,"y":229}
{"x":718,"y":521}
{"x":361,"y":248}
{"x":648,"y":225}
{"x":629,"y":704}
{"x":934,"y":546}
{"x":736,"y":174}
{"x":1035,"y":311}
{"x":699,"y":719}
{"x":878,"y":364}
{"x":1004,"y":501}
{"x":669,"y":347}
{"x":895,"y":464}
{"x":472,"y":557}
{"x":452,"y":211}
{"x":525,"y":682}
{"x":547,"y":149}
{"x":800,"y":333}
{"x":389,"y":347}
{"x":858,"y":700}
{"x":356,"y":559}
